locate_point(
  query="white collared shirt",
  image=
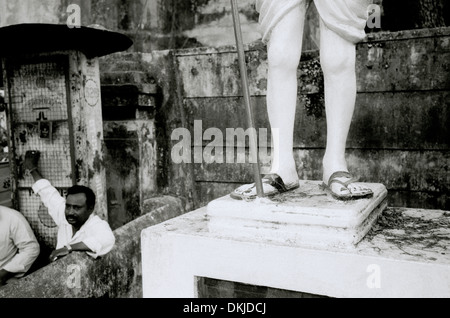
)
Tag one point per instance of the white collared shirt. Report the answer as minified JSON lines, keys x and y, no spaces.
{"x":95,"y":233}
{"x":18,"y":245}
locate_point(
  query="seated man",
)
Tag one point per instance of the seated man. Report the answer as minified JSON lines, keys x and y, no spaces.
{"x":18,"y":245}
{"x":78,"y":228}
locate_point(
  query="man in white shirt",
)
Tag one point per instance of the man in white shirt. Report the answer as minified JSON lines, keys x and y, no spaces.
{"x":18,"y":245}
{"x":78,"y":228}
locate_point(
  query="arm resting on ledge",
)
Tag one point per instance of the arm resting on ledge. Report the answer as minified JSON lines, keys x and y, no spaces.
{"x":76,"y":247}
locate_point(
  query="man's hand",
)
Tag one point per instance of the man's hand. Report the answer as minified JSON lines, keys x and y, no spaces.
{"x":31,"y":159}
{"x":58,"y":253}
{"x":30,"y":164}
{"x":77,"y":247}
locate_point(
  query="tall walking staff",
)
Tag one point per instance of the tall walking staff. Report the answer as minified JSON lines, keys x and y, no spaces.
{"x":246,"y":92}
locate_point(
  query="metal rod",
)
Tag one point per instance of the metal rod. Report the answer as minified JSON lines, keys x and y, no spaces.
{"x":246,"y":92}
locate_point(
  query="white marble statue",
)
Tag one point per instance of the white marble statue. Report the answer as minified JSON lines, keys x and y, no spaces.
{"x":341,"y":27}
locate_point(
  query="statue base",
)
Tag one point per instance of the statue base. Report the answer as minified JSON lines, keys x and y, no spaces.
{"x":306,"y":216}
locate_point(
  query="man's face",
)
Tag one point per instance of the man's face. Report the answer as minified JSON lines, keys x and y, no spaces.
{"x":77,"y":212}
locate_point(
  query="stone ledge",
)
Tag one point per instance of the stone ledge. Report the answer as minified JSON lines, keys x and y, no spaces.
{"x":406,"y":34}
{"x":404,"y":255}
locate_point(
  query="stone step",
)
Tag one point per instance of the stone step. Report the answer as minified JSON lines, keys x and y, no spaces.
{"x":307,"y":216}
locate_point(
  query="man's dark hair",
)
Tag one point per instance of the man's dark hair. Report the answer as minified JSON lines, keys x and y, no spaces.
{"x":90,"y":195}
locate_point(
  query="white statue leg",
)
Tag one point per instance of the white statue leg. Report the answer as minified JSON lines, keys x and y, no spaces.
{"x":338,"y":58}
{"x":284,"y":53}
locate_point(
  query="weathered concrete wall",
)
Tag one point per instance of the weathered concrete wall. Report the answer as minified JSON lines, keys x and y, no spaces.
{"x":131,"y":145}
{"x":155,"y":73}
{"x":131,"y":161}
{"x":25,"y":11}
{"x":214,"y":23}
{"x":116,"y":275}
{"x":399,"y":135}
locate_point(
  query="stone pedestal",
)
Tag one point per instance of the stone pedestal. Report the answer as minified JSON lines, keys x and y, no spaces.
{"x":405,"y":255}
{"x":307,"y":216}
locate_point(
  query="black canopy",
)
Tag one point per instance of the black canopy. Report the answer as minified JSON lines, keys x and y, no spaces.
{"x":38,"y":38}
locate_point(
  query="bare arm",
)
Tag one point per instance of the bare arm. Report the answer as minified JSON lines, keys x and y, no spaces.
{"x":36,"y":174}
{"x":50,"y":197}
{"x":76,"y":247}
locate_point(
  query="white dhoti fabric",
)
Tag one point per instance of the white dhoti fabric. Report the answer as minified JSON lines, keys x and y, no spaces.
{"x":347,"y":18}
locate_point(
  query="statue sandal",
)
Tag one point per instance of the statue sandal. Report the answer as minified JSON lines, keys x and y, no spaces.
{"x":272,"y":185}
{"x":353,"y":193}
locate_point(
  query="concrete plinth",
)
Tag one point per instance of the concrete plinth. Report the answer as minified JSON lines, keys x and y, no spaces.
{"x":406,"y":256}
{"x":306,"y":216}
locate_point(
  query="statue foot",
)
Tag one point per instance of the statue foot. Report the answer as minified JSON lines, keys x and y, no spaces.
{"x":342,"y":186}
{"x":272,"y":185}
